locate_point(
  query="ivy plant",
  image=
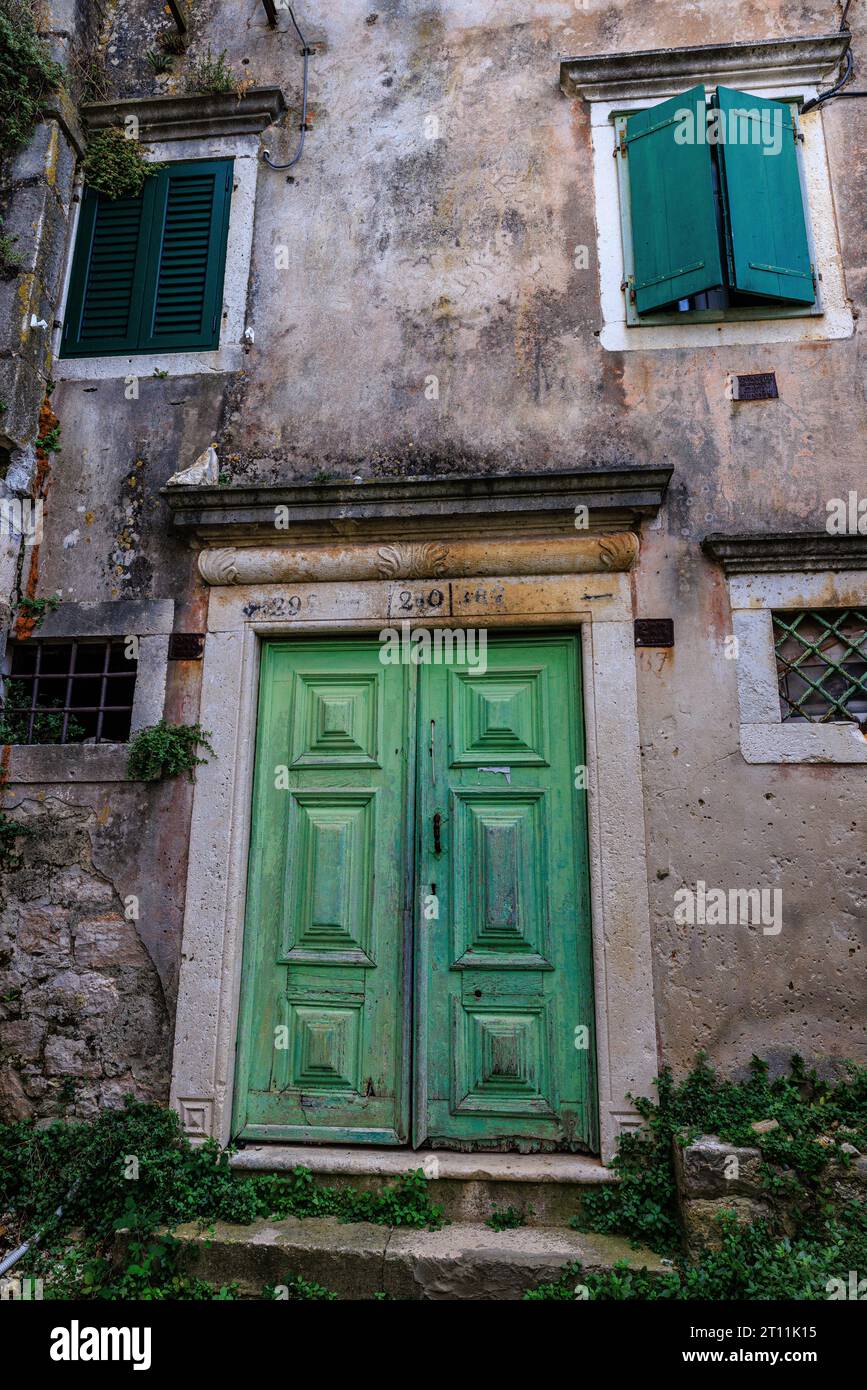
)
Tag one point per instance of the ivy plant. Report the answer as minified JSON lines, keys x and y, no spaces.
{"x":116,"y":166}
{"x":163,"y":750}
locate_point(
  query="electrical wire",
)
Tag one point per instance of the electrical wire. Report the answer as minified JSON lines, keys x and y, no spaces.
{"x":826,"y":96}
{"x":305,"y":52}
{"x":847,"y":75}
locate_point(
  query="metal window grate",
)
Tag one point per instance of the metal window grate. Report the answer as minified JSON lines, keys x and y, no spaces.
{"x":822,"y":663}
{"x":73,"y":691}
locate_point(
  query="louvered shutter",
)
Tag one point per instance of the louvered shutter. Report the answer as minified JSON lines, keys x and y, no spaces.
{"x":108,"y":273}
{"x":147,"y":272}
{"x":183,"y":292}
{"x":675,"y":234}
{"x":768,"y":250}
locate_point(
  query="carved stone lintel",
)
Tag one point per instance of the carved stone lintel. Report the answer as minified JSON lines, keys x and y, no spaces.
{"x":418,"y":560}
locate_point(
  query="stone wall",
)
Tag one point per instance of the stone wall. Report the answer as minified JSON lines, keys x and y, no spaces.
{"x":83,"y":1014}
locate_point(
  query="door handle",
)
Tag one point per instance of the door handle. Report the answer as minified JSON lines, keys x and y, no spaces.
{"x":437,"y":823}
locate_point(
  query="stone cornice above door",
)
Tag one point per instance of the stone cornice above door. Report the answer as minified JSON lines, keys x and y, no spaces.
{"x":420,"y":528}
{"x":481,"y":507}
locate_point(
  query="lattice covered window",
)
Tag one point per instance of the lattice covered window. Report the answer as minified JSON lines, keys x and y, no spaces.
{"x":821,"y":659}
{"x":68,"y":691}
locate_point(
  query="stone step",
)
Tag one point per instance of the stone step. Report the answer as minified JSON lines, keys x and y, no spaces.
{"x":547,"y":1188}
{"x":465,"y":1261}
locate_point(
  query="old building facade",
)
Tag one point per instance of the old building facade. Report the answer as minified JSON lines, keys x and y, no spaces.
{"x":510,"y":355}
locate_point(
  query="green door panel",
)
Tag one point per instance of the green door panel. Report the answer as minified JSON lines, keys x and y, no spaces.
{"x":322,"y":1042}
{"x":373,"y":945}
{"x":504,"y":998}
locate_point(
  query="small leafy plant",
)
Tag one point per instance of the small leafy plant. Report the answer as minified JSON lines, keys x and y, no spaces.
{"x":10,"y":831}
{"x":116,"y":166}
{"x":509,"y":1219}
{"x":27,"y":74}
{"x":170,"y":41}
{"x":294,"y":1289}
{"x":10,"y":259}
{"x":164,"y":750}
{"x":159,"y":61}
{"x":33,"y":611}
{"x":211,"y":75}
{"x":49,"y":442}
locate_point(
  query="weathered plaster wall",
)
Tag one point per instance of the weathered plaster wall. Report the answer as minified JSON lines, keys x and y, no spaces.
{"x":453,"y":257}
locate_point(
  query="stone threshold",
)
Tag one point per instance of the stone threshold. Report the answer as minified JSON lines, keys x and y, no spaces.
{"x":459,"y":1167}
{"x":465,"y":1261}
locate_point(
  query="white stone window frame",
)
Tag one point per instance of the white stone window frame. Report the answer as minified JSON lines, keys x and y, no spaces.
{"x":764,"y":736}
{"x":617,"y":334}
{"x":243,"y":149}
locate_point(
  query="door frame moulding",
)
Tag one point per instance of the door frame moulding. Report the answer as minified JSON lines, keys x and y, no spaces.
{"x":592,"y":591}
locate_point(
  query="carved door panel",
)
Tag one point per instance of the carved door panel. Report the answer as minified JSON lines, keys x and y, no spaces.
{"x":380,"y":939}
{"x":504,"y":1053}
{"x":322,"y":1044}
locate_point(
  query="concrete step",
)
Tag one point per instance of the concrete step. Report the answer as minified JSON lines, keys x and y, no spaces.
{"x":547,"y":1188}
{"x":465,"y":1261}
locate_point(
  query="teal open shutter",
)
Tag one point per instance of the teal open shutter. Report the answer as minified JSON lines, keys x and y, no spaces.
{"x":108,"y":271}
{"x":184,"y":288}
{"x":675,"y":236}
{"x":768,"y":250}
{"x":148,"y":272}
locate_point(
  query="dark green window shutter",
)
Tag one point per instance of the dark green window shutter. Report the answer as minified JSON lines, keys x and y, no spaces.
{"x":675,"y":236}
{"x":185,"y":281}
{"x":768,"y":251}
{"x":108,"y":272}
{"x":147,"y":272}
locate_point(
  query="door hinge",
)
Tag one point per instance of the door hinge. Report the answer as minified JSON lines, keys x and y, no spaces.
{"x":628,"y":285}
{"x":620,"y":147}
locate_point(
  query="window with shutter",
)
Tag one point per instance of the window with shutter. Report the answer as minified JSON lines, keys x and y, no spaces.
{"x":147,"y":272}
{"x":714,"y":223}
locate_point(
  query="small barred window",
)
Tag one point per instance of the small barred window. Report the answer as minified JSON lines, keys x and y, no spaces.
{"x":67,"y":692}
{"x":822,"y":664}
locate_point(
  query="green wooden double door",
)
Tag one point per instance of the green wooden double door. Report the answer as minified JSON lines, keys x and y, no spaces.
{"x":417,"y":958}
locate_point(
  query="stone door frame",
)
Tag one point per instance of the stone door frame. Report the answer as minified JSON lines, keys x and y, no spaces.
{"x":592,"y":592}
